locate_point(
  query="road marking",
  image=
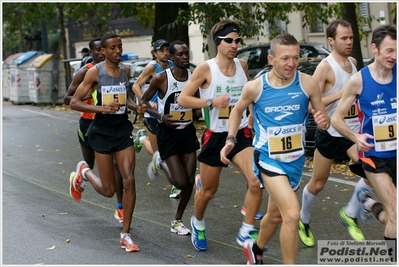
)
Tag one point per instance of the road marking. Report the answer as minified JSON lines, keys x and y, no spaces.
{"x":48,"y":115}
{"x":332,"y":179}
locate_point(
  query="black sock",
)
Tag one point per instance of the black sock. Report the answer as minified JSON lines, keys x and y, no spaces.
{"x":391,"y":246}
{"x":257,"y":250}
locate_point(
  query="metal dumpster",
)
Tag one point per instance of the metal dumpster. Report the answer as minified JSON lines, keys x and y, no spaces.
{"x":46,"y":80}
{"x":6,"y":76}
{"x":19,"y":90}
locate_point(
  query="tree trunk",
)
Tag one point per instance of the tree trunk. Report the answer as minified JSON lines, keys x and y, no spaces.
{"x":349,"y":14}
{"x":63,"y":33}
{"x":166,"y":13}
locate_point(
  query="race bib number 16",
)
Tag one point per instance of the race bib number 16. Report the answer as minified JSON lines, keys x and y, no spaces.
{"x":285,"y":142}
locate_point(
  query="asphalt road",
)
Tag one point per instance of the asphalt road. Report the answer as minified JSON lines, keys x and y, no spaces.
{"x":40,"y":149}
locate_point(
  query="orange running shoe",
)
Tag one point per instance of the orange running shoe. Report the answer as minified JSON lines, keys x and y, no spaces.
{"x":127,"y":243}
{"x":75,"y":194}
{"x":119,"y":215}
{"x":78,"y":180}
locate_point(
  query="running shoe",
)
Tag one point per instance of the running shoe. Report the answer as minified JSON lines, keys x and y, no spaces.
{"x":174,"y":192}
{"x":153,"y":170}
{"x":252,"y":258}
{"x":250,"y":235}
{"x":198,"y":183}
{"x":258,"y":215}
{"x":137,"y":144}
{"x":77,"y":181}
{"x":305,"y":234}
{"x":177,"y":227}
{"x":351,"y":224}
{"x":119,"y":215}
{"x":75,"y":194}
{"x":364,"y":215}
{"x":127,"y":243}
{"x":198,"y":237}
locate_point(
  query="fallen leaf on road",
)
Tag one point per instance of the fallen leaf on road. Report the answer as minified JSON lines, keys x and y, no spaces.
{"x":148,"y":183}
{"x":190,"y":256}
{"x":53,"y":247}
{"x":43,"y":215}
{"x":63,"y":213}
{"x":68,"y":240}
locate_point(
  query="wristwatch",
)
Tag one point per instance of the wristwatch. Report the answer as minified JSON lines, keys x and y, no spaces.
{"x":209,"y":103}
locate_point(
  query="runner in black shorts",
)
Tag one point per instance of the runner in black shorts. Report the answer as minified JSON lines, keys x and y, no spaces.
{"x":374,"y":88}
{"x":177,"y":137}
{"x":110,"y":133}
{"x":87,"y":117}
{"x":220,"y":81}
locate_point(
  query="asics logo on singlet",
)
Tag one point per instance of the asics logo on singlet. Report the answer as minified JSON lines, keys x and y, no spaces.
{"x":387,"y":120}
{"x":115,"y":89}
{"x":286,"y":110}
{"x":285,"y":131}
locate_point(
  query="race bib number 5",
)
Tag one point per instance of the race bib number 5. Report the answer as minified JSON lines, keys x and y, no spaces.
{"x":385,"y":136}
{"x":285,"y":142}
{"x":110,"y":93}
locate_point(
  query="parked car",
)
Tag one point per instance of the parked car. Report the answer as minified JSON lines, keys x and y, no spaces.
{"x":308,"y":67}
{"x":256,"y":55}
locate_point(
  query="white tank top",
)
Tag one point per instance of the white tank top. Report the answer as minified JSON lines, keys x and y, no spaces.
{"x":168,"y":104}
{"x":341,"y":78}
{"x":217,"y":119}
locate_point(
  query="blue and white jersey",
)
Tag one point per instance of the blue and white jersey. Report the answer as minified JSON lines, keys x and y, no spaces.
{"x":378,"y":114}
{"x":145,"y":86}
{"x":280,"y":115}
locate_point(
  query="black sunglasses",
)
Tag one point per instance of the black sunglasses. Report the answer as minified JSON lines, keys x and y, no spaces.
{"x":229,"y":40}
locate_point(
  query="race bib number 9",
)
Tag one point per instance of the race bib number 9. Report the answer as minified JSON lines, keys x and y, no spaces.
{"x":285,"y":142}
{"x":385,"y":132}
{"x":110,"y":93}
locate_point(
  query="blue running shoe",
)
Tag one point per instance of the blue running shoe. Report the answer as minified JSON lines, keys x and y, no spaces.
{"x":198,"y":237}
{"x":258,"y":215}
{"x":252,"y":235}
{"x":198,"y":183}
{"x":364,"y":215}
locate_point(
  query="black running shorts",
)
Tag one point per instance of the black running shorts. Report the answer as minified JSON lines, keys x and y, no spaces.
{"x":82,"y":129}
{"x":212,"y":144}
{"x":332,"y":147}
{"x":152,"y":125}
{"x":173,"y":142}
{"x":110,"y":139}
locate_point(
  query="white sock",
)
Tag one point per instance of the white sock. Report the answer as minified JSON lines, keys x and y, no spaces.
{"x":84,"y":173}
{"x":245,"y":228}
{"x":200,"y":225}
{"x":141,"y":139}
{"x":307,"y":201}
{"x":354,"y":204}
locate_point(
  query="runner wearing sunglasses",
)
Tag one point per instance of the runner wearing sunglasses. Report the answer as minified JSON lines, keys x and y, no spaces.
{"x":220,"y":81}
